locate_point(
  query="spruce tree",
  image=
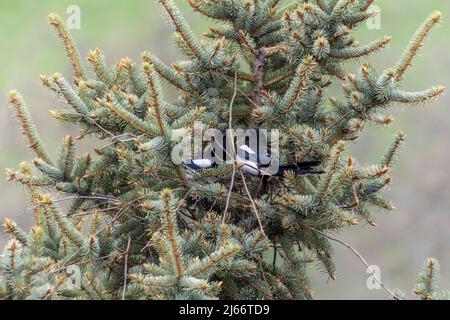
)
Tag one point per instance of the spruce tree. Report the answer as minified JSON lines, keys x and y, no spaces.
{"x":139,"y":226}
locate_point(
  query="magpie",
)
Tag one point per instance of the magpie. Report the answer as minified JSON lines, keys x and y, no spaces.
{"x":257,"y":162}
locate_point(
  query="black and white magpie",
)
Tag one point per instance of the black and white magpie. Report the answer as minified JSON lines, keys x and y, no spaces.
{"x":257,"y":162}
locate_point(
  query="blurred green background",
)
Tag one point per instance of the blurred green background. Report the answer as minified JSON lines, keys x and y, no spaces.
{"x":401,"y":242}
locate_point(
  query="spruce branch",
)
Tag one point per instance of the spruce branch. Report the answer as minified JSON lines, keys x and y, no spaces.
{"x":426,"y":287}
{"x":129,"y":118}
{"x":357,"y":52}
{"x":11,"y":227}
{"x":415,"y":44}
{"x":390,"y":156}
{"x":28,"y":128}
{"x":97,"y":60}
{"x":71,"y":49}
{"x":64,"y":224}
{"x":332,"y":167}
{"x":155,"y":100}
{"x":182,"y":28}
{"x":166,"y":72}
{"x":170,"y":225}
{"x":417,"y":97}
{"x":67,"y":158}
{"x":69,"y":95}
{"x":299,"y":84}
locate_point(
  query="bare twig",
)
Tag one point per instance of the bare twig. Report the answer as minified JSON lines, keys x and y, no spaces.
{"x":112,"y":135}
{"x":252,"y":203}
{"x":125,"y":271}
{"x":231,"y":141}
{"x":360,"y":257}
{"x":348,"y":113}
{"x":274,"y":261}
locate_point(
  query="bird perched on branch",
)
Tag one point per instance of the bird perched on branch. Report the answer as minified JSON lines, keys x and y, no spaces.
{"x":253,"y":153}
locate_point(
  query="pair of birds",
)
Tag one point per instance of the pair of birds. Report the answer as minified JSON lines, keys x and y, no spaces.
{"x":255,"y":162}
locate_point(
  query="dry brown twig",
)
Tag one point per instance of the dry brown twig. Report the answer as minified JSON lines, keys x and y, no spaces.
{"x":125,"y":271}
{"x":361,"y":258}
{"x":230,"y":125}
{"x":252,"y":203}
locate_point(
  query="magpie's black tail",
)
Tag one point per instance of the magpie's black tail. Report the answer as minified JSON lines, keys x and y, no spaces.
{"x":308,"y":164}
{"x":306,"y":167}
